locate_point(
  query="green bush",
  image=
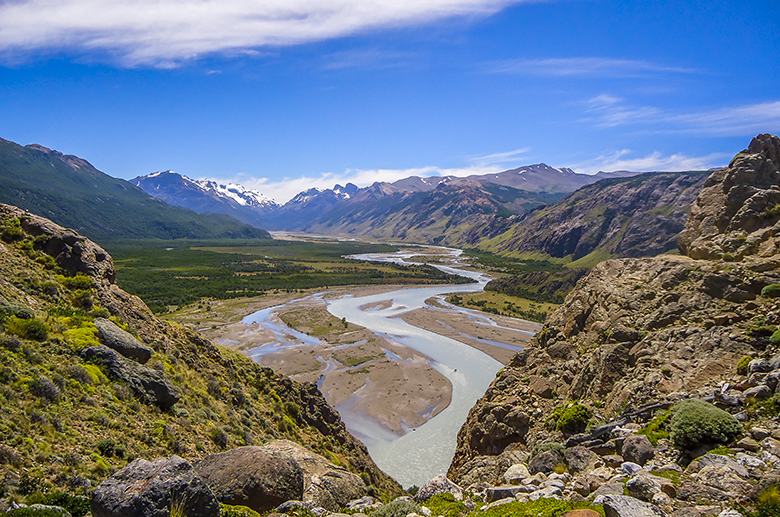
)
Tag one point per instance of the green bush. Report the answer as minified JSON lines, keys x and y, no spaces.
{"x":75,"y":283}
{"x":236,"y":511}
{"x":771,"y":291}
{"x":694,"y":423}
{"x":775,"y":337}
{"x":742,"y":365}
{"x":77,"y":506}
{"x":34,"y":328}
{"x":768,"y":504}
{"x":657,"y":428}
{"x":397,"y":508}
{"x":547,"y":446}
{"x":446,"y":506}
{"x":574,"y":419}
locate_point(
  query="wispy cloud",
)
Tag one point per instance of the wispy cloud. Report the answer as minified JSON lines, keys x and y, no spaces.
{"x":610,"y":111}
{"x":499,"y":158}
{"x":624,"y":160}
{"x":166,"y":32}
{"x":583,"y":67}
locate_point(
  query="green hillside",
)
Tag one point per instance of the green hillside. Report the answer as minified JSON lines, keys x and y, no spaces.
{"x":71,"y":192}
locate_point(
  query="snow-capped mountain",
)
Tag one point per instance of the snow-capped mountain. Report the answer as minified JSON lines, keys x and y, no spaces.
{"x":246,"y":205}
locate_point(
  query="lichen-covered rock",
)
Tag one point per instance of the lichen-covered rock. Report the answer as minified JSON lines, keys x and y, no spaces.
{"x":122,"y":341}
{"x":546,"y":462}
{"x":254,"y":477}
{"x":154,"y":386}
{"x":151,"y":489}
{"x":625,"y":506}
{"x":324,"y":484}
{"x":438,"y":485}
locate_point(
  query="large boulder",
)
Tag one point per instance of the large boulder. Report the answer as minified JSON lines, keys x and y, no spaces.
{"x":153,"y":386}
{"x":123,"y":342}
{"x":546,"y":462}
{"x":580,"y":459}
{"x":152,"y":489}
{"x":637,"y":449}
{"x":438,"y":485}
{"x":324,"y":484}
{"x":255,"y":477}
{"x":625,"y":506}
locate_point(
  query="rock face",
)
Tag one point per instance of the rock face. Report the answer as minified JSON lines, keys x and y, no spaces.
{"x":324,"y":484}
{"x":258,"y":478}
{"x":624,"y":217}
{"x":151,"y":489}
{"x":123,"y":342}
{"x":637,"y":335}
{"x":736,"y":212}
{"x":153,"y":386}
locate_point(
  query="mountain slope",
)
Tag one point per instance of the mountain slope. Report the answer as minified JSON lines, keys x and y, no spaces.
{"x":70,"y":417}
{"x":648,"y":332}
{"x":544,"y":178}
{"x":248,"y":206}
{"x":621,"y":217}
{"x":70,"y":191}
{"x":441,"y":215}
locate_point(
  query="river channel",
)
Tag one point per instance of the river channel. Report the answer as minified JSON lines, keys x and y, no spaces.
{"x":424,"y":452}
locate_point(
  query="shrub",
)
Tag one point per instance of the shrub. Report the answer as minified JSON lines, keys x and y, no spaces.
{"x":694,"y":423}
{"x":574,"y":419}
{"x":742,"y":365}
{"x":77,"y":506}
{"x":397,"y":508}
{"x":547,"y":446}
{"x":768,"y":504}
{"x":219,"y":437}
{"x":446,"y":506}
{"x":44,"y":389}
{"x":771,"y":291}
{"x":78,"y":282}
{"x":775,"y":337}
{"x":34,"y":328}
{"x":656,"y":429}
{"x":236,"y":511}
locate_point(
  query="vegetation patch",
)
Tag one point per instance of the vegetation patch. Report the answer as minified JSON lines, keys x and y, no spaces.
{"x":501,"y":304}
{"x":694,"y":423}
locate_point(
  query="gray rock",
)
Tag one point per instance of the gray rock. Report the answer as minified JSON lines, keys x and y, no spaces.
{"x":725,"y":479}
{"x":759,"y":392}
{"x":772,"y":380}
{"x":546,"y":462}
{"x":749,"y":444}
{"x":717,"y":460}
{"x":548,"y":492}
{"x":646,"y":487}
{"x":630,"y":468}
{"x":153,"y":386}
{"x":497,"y":493}
{"x":252,"y":476}
{"x":625,"y":506}
{"x":730,"y":512}
{"x":637,"y":449}
{"x":438,"y":485}
{"x":759,"y":433}
{"x":516,"y":474}
{"x":123,"y":342}
{"x":608,"y":489}
{"x":579,"y":459}
{"x":149,"y":488}
{"x":364,"y":503}
{"x":324,"y":484}
{"x":759,"y":365}
{"x":613,"y":460}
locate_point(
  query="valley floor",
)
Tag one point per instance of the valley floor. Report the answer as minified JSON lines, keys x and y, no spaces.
{"x":389,"y":382}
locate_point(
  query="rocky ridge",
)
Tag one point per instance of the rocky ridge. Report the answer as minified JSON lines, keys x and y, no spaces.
{"x":633,"y":339}
{"x":91,"y":380}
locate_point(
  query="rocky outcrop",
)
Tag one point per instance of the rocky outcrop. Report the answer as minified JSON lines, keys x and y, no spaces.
{"x":325,"y":485}
{"x":254,"y":477}
{"x":123,"y":342}
{"x":637,"y":335}
{"x":738,"y":210}
{"x":153,"y":386}
{"x":153,"y":489}
{"x":622,"y":217}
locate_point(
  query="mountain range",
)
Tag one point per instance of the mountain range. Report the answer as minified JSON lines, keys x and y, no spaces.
{"x":73,"y":193}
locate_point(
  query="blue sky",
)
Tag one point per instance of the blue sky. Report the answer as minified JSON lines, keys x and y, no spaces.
{"x":283,"y":95}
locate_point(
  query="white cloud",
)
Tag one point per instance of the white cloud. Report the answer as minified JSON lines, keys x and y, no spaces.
{"x":624,"y":161}
{"x":499,"y":158}
{"x":165,"y":32}
{"x":583,"y":66}
{"x":285,"y":189}
{"x":748,"y":119}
